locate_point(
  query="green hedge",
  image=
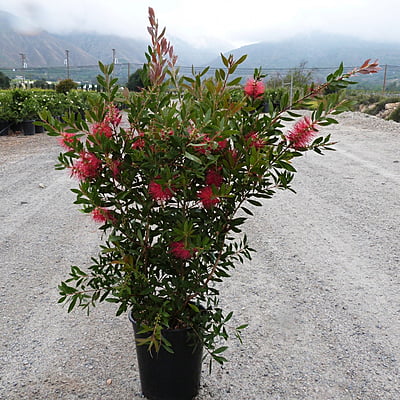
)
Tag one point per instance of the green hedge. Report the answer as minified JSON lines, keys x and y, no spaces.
{"x":20,"y":104}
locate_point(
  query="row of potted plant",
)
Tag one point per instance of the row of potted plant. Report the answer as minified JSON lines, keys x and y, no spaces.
{"x":18,"y":106}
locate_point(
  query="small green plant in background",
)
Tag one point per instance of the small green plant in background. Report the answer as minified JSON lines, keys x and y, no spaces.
{"x":395,"y":114}
{"x":137,"y":81}
{"x":4,"y":81}
{"x":65,"y":86}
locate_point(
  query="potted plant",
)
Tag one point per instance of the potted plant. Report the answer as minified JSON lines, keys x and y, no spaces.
{"x":6,"y":114}
{"x":24,"y":108}
{"x":29,"y":113}
{"x":171,"y":193}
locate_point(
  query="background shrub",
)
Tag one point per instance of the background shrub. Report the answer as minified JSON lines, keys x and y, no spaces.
{"x":65,"y":86}
{"x":4,"y":81}
{"x":395,"y":115}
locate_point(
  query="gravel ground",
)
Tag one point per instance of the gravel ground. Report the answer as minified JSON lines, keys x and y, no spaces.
{"x":321,"y":296}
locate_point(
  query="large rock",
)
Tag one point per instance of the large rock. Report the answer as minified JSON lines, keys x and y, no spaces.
{"x":392,"y":106}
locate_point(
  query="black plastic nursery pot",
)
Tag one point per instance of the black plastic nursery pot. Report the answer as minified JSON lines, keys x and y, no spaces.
{"x":28,"y":127}
{"x":4,"y":127}
{"x":170,"y":376}
{"x":39,"y":128}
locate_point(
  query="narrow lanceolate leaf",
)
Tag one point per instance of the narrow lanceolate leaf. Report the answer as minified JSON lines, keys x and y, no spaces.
{"x":192,"y":157}
{"x":224,"y":60}
{"x":220,"y":350}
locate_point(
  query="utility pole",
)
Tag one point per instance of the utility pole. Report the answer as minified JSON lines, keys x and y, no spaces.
{"x":23,"y":65}
{"x":67,"y":62}
{"x":384,"y":80}
{"x":291,"y":88}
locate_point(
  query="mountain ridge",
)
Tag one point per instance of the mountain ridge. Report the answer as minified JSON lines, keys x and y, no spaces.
{"x":43,"y":49}
{"x":317,"y":49}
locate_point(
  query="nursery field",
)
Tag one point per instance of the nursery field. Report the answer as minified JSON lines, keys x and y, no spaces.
{"x":321,"y":295}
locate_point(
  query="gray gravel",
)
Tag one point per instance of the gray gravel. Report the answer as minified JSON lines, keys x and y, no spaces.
{"x":321,"y":296}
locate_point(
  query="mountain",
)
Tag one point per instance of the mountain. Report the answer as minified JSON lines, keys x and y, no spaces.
{"x":100,"y":47}
{"x":39,"y":48}
{"x":42,"y":49}
{"x":317,"y":50}
{"x":189,"y":55}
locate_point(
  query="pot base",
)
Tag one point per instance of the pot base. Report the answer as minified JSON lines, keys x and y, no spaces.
{"x":166,"y":376}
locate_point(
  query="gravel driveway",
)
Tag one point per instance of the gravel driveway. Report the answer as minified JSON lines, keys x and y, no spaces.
{"x":321,"y":296}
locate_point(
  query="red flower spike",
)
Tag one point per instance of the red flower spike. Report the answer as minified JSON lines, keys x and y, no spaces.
{"x":87,"y":166}
{"x":139,"y":142}
{"x":179,"y":251}
{"x":302,"y":133}
{"x":102,"y":129}
{"x":101,"y":215}
{"x":254,"y":140}
{"x":207,"y":197}
{"x":115,"y":167}
{"x":222,"y":144}
{"x":113,"y":115}
{"x":66,"y":140}
{"x":254,"y":88}
{"x":158,"y":193}
{"x":213,"y":177}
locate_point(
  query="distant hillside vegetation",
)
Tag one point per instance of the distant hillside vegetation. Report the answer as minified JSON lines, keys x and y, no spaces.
{"x":318,"y":50}
{"x":314,"y":50}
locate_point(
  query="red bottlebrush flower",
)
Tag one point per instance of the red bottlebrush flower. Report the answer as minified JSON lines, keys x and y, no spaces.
{"x":115,"y":167}
{"x":101,"y":214}
{"x":301,"y":134}
{"x":102,"y":129}
{"x":254,"y":140}
{"x":208,"y":144}
{"x":254,"y":88}
{"x":66,"y":140}
{"x":87,"y":166}
{"x":113,"y":115}
{"x":205,"y":145}
{"x":207,"y":197}
{"x":214,"y":178}
{"x":179,"y":251}
{"x":165,"y":135}
{"x":138,"y":141}
{"x":234,"y":154}
{"x":158,"y":193}
{"x":222,"y":144}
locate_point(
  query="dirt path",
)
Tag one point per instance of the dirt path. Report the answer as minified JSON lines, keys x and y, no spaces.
{"x":321,"y":296}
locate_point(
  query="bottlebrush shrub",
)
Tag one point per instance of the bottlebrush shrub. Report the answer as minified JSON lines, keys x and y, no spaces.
{"x":171,"y":191}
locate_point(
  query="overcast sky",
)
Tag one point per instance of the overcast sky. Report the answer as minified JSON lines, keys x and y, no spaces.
{"x":223,"y":24}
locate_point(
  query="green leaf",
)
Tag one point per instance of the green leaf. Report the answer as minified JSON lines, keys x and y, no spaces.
{"x":224,"y":60}
{"x":72,"y":303}
{"x":194,"y":307}
{"x":228,"y":317}
{"x":246,"y":210}
{"x":241,"y":59}
{"x":255,"y":202}
{"x":234,"y":82}
{"x":287,"y":166}
{"x":192,"y":157}
{"x":220,"y":350}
